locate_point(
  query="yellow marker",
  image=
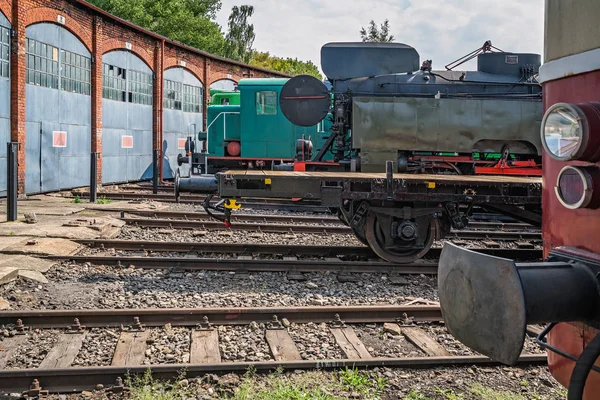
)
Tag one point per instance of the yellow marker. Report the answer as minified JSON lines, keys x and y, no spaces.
{"x":232,"y":204}
{"x":267,"y":181}
{"x":431,"y":185}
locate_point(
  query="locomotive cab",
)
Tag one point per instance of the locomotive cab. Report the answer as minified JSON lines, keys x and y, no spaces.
{"x":487,"y":302}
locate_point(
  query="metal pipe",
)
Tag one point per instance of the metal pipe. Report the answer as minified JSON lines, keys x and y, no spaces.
{"x":155,"y":172}
{"x":12,"y":187}
{"x":558,"y":292}
{"x":204,"y":184}
{"x":161,"y":106}
{"x":94,"y":178}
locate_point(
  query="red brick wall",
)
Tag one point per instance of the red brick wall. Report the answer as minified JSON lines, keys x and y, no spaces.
{"x":6,"y":9}
{"x":100,"y":34}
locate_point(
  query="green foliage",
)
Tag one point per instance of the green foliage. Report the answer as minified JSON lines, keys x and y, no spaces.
{"x":280,"y":387}
{"x":291,"y":66}
{"x":449,"y":394}
{"x":191,"y":22}
{"x":144,"y":387}
{"x":186,"y":21}
{"x":485,"y":393}
{"x":103,"y":200}
{"x":374,"y":34}
{"x":414,"y":395}
{"x":77,"y":200}
{"x":366,"y":384}
{"x":240,"y":36}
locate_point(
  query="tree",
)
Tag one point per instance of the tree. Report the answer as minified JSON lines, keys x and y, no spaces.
{"x":374,"y":34}
{"x":186,"y":21}
{"x":240,"y":37}
{"x":291,"y":66}
{"x":192,"y":22}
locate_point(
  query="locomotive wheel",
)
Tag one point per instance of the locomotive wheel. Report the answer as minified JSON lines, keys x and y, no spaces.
{"x":399,"y":255}
{"x":360,"y":235}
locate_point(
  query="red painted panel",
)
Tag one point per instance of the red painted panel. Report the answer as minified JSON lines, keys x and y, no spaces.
{"x":563,"y":227}
{"x":572,"y":338}
{"x":575,"y":228}
{"x":127,"y":142}
{"x":59,"y":139}
{"x":181,"y":144}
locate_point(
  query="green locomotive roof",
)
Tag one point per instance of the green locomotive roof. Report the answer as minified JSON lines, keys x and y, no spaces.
{"x":263,"y":82}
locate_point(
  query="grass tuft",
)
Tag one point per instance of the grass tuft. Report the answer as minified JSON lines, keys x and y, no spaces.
{"x":363,"y":382}
{"x":145,"y":387}
{"x":282,"y":387}
{"x":103,"y":200}
{"x":485,"y":393}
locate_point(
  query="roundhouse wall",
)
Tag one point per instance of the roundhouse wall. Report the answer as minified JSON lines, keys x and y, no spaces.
{"x":100,"y":33}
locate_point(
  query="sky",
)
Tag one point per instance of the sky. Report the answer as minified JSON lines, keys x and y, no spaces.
{"x":441,"y":30}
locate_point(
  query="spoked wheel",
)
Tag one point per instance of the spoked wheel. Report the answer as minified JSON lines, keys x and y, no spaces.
{"x":378,"y":232}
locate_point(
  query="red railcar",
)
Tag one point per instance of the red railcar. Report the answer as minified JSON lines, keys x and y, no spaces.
{"x":487,"y":302}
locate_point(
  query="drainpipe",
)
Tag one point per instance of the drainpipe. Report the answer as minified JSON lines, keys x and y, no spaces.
{"x":160,"y":108}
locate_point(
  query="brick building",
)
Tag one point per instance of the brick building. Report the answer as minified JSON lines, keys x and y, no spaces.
{"x":77,"y":83}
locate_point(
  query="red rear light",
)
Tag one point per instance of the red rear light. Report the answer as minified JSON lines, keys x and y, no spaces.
{"x":578,"y":187}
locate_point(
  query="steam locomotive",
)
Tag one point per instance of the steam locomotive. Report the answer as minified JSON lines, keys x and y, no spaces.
{"x":387,"y":106}
{"x":487,"y":302}
{"x":458,"y":122}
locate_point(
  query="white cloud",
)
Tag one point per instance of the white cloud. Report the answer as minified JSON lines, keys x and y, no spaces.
{"x":441,"y":30}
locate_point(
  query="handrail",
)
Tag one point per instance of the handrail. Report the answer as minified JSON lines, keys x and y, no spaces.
{"x":224,"y":125}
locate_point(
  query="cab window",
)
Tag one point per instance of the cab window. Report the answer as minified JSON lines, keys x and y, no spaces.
{"x":266,"y":103}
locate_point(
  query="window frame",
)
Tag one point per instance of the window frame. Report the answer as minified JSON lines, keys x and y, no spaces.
{"x":76,"y":73}
{"x":173,"y":98}
{"x":114,"y":83}
{"x":262,"y":105}
{"x":40,"y":63}
{"x":193,"y":99}
{"x":140,"y":87}
{"x":4,"y":52}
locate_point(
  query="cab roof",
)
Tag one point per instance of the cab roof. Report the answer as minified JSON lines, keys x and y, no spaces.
{"x":263,"y":82}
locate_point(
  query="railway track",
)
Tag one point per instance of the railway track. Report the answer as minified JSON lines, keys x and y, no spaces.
{"x":301,"y":219}
{"x":245,"y":264}
{"x":330,"y":227}
{"x":273,"y":204}
{"x":241,"y":249}
{"x":56,"y":373}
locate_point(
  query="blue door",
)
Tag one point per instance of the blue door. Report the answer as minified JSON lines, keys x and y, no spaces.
{"x":33,"y":158}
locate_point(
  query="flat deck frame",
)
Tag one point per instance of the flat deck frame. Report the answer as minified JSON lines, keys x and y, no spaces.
{"x":332,"y":188}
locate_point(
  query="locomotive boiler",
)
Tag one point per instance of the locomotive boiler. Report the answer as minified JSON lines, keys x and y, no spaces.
{"x":389,"y":106}
{"x":487,"y":302}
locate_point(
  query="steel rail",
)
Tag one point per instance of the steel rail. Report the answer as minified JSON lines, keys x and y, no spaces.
{"x":317,"y":229}
{"x":190,"y":198}
{"x":290,"y":250}
{"x":156,"y":317}
{"x":217,"y":225}
{"x":79,"y":379}
{"x":214,"y":264}
{"x":236,"y":248}
{"x":202,"y":216}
